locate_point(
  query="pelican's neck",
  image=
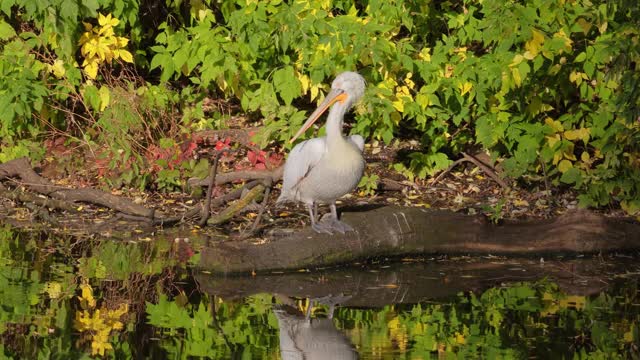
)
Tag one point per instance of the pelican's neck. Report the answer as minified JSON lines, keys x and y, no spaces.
{"x":334,"y":122}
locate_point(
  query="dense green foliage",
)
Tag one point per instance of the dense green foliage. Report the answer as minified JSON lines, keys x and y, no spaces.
{"x":549,"y":86}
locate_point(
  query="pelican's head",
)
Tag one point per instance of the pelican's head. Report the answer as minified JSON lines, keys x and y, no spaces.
{"x":351,"y":84}
{"x":346,"y":89}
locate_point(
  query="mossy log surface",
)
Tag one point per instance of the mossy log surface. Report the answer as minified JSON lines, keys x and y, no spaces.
{"x":390,"y":231}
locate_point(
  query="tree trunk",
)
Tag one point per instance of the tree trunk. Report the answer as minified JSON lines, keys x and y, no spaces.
{"x":390,"y":231}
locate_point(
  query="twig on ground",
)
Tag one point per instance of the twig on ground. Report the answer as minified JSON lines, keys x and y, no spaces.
{"x":237,"y":206}
{"x":472,"y":159}
{"x":206,"y":210}
{"x":274,"y":175}
{"x":235,"y":194}
{"x":267,"y":191}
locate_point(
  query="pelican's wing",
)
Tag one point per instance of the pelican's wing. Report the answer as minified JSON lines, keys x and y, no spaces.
{"x":302,"y":158}
{"x":358,"y":141}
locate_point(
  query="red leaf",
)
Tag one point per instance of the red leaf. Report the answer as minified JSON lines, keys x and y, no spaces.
{"x":253,"y":158}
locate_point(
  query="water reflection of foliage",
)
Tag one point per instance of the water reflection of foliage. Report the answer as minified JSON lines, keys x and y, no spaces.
{"x":42,"y":293}
{"x":516,"y":321}
{"x":40,"y":281}
{"x":98,"y":322}
{"x":249,"y":329}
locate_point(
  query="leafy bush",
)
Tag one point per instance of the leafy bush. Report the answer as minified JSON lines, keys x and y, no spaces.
{"x":551,"y":89}
{"x":548,"y":86}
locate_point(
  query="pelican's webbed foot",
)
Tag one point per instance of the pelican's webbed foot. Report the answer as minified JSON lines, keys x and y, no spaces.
{"x":336,"y":225}
{"x":322,"y":228}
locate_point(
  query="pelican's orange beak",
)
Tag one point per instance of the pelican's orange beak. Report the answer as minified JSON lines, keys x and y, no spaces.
{"x":333,"y":96}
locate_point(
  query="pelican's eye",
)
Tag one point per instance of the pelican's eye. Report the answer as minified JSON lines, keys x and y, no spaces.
{"x":342,"y":97}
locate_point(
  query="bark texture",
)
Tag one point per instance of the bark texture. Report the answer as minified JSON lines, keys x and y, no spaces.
{"x":390,"y":231}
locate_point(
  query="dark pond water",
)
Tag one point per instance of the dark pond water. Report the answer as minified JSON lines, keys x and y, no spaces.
{"x":66,"y":297}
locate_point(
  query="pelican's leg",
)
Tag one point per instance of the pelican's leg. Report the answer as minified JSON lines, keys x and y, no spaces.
{"x":318,"y":227}
{"x":334,"y":224}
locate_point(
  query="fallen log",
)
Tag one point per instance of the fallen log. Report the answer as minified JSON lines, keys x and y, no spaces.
{"x":21,"y":168}
{"x":20,"y":172}
{"x":390,"y":231}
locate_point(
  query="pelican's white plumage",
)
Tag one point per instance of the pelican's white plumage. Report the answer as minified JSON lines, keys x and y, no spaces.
{"x":321,"y":170}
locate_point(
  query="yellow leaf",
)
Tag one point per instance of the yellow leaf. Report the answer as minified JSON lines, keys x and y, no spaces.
{"x":315,"y":90}
{"x":107,"y":20}
{"x":57,"y":69}
{"x":577,"y":77}
{"x":554,"y":124}
{"x":125,"y":56}
{"x":448,"y":71}
{"x":398,"y":105}
{"x":121,"y":41}
{"x":393,"y":323}
{"x":105,"y":97}
{"x":553,"y":140}
{"x":465,"y":88}
{"x":533,"y":46}
{"x":567,"y":41}
{"x":425,"y":54}
{"x":577,"y":134}
{"x":628,"y":336}
{"x":603,"y":27}
{"x":86,"y":298}
{"x":516,"y":60}
{"x":462,"y":52}
{"x":407,"y":80}
{"x":53,"y":289}
{"x":515,"y":73}
{"x":564,"y":165}
{"x":585,"y":157}
{"x":403,"y":91}
{"x":305,"y":82}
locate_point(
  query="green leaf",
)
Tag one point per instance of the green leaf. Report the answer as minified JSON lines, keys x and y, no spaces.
{"x":286,"y":84}
{"x":581,"y":57}
{"x":105,"y":97}
{"x":91,"y":96}
{"x":571,"y":176}
{"x":6,"y":31}
{"x":6,"y":6}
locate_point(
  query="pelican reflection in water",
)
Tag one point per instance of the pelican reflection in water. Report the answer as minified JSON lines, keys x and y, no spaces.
{"x":321,"y":170}
{"x":302,"y":337}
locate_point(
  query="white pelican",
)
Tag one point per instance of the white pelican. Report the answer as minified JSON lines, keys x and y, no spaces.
{"x":304,"y":338}
{"x":321,"y":170}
